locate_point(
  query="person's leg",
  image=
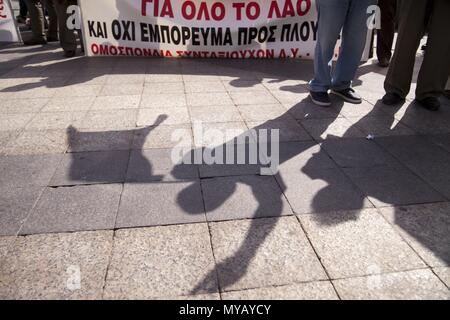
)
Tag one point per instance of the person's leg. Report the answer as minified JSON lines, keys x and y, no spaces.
{"x":23,"y":9}
{"x":37,"y":22}
{"x":354,"y":35}
{"x":52,"y":32}
{"x":66,"y":37}
{"x":331,"y":18}
{"x":411,"y":29}
{"x":385,"y":36}
{"x":435,"y":67}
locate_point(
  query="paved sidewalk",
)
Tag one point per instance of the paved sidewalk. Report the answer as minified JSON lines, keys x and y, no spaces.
{"x":89,"y":191}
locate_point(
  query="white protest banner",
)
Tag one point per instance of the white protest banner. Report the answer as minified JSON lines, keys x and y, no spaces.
{"x":8,"y":29}
{"x":200,"y":28}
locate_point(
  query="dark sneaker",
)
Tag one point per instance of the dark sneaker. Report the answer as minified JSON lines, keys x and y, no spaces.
{"x":21,"y":19}
{"x":69,"y":53}
{"x":52,"y":39}
{"x":348,"y":95}
{"x":430,"y":103}
{"x":320,"y":98}
{"x":34,"y":42}
{"x":391,"y":99}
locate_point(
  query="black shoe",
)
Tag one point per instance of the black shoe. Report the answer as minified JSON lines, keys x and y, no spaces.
{"x":430,"y":103}
{"x":320,"y":98}
{"x":34,"y":42}
{"x":69,"y":53}
{"x":348,"y":95}
{"x":384,"y":63}
{"x":21,"y":19}
{"x":391,"y":99}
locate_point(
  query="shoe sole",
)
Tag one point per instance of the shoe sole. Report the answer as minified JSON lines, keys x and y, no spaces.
{"x":359,"y":101}
{"x":321,"y":104}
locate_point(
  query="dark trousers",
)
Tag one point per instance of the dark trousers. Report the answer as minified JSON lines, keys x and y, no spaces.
{"x":415,"y":18}
{"x":385,"y":36}
{"x":23,"y":8}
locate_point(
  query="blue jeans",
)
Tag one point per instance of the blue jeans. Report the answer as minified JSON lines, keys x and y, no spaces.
{"x":351,"y":17}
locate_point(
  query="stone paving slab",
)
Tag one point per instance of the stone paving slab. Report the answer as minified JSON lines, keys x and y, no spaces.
{"x":411,"y":285}
{"x":23,"y":106}
{"x":444,"y":274}
{"x":320,"y":190}
{"x":425,"y":228}
{"x":37,"y":142}
{"x":241,"y":197}
{"x":15,"y":206}
{"x":21,"y":171}
{"x":84,"y":140}
{"x":263,"y":252}
{"x":45,"y":266}
{"x":153,"y":204}
{"x":357,"y":243}
{"x":161,"y":262}
{"x":320,"y":290}
{"x":91,"y":168}
{"x":80,"y":208}
{"x":393,"y":185}
{"x":321,"y":129}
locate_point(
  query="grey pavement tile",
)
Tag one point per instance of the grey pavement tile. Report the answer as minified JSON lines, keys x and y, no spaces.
{"x":38,"y":142}
{"x":381,"y":126}
{"x":79,"y":208}
{"x":208,"y":99}
{"x":89,"y":77}
{"x":241,"y":197}
{"x":232,"y":159}
{"x":253,"y":97}
{"x":357,"y":243}
{"x":321,"y":129}
{"x":27,"y":170}
{"x":357,"y":152}
{"x":125,"y":79}
{"x":442,"y":140}
{"x":29,"y":93}
{"x":425,"y":228}
{"x":121,"y":90}
{"x":112,"y":120}
{"x":159,"y":78}
{"x":160,"y":164}
{"x":168,"y":261}
{"x":22,"y":106}
{"x":319,"y":290}
{"x":163,"y":88}
{"x":77,"y":90}
{"x":213,"y":134}
{"x":262,"y":112}
{"x":392,"y":185}
{"x":426,"y":159}
{"x":444,"y":274}
{"x":314,"y":188}
{"x":69,"y":104}
{"x":363,"y":110}
{"x":15,"y":205}
{"x":421,"y":121}
{"x":202,"y":87}
{"x":173,"y":116}
{"x":263,"y":252}
{"x":8,"y":136}
{"x":290,"y":97}
{"x":116,"y":102}
{"x":288,"y":129}
{"x":243,"y":85}
{"x":98,"y":140}
{"x":11,"y":122}
{"x":163,"y":137}
{"x":294,"y":156}
{"x":56,"y":120}
{"x":163,"y":100}
{"x":91,"y":168}
{"x":203,"y":75}
{"x":411,"y":285}
{"x":158,"y":203}
{"x":215,"y":114}
{"x":48,"y":266}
